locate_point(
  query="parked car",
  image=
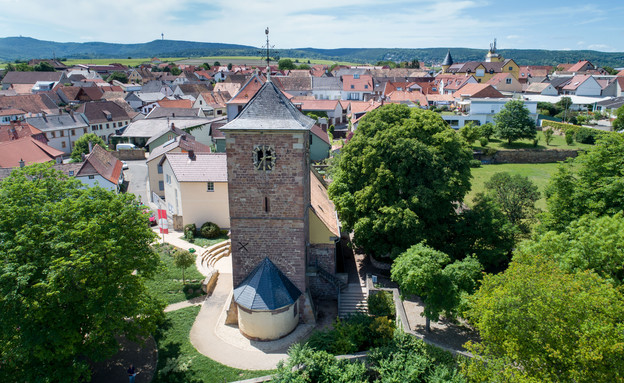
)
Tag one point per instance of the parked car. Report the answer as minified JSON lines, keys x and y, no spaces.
{"x":124,"y":165}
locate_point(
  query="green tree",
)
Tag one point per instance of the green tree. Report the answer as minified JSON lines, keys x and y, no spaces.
{"x":594,"y":185}
{"x":589,"y":243}
{"x":610,"y":70}
{"x":399,"y":178}
{"x":206,"y":66}
{"x":229,"y":66}
{"x":183,"y":259}
{"x":429,"y":273}
{"x":44,"y":67}
{"x":548,"y":135}
{"x":485,"y":231}
{"x":303,"y":66}
{"x":81,"y":146}
{"x":73,"y":265}
{"x":540,"y":324}
{"x":618,"y":123}
{"x":486,"y":130}
{"x":514,"y":122}
{"x":306,"y":365}
{"x":470,"y":132}
{"x":175,"y":71}
{"x":286,"y":64}
{"x":516,"y":195}
{"x":216,"y":63}
{"x":119,"y":76}
{"x":564,"y":105}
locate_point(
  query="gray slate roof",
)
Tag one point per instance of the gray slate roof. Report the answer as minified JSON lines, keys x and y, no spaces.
{"x":269,"y":109}
{"x":266,"y":288}
{"x":448,"y":60}
{"x":158,"y":126}
{"x":326,"y":83}
{"x":206,"y":167}
{"x":57,"y":122}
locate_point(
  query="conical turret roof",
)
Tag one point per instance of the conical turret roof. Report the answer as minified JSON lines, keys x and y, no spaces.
{"x":266,"y":288}
{"x":448,"y":60}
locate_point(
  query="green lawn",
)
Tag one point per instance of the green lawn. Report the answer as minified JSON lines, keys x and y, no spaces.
{"x":205,"y":242}
{"x":175,"y":350}
{"x":558,"y":142}
{"x":538,"y":173}
{"x":167,"y":285}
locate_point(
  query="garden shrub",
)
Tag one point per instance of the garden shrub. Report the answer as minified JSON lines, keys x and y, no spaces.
{"x":569,"y":137}
{"x":189,"y":232}
{"x":475,"y":163}
{"x":484,"y":141}
{"x":587,"y":135}
{"x":381,"y":304}
{"x":210,"y":230}
{"x":358,"y":332}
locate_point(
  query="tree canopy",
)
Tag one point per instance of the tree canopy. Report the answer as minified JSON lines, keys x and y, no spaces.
{"x":430,"y":274}
{"x":81,"y":146}
{"x":73,"y":262}
{"x":514,"y":122}
{"x":286,"y":64}
{"x":618,"y":123}
{"x":399,"y":180}
{"x":595,"y":184}
{"x":540,"y":324}
{"x":516,"y":195}
{"x":589,"y":243}
{"x":119,"y":76}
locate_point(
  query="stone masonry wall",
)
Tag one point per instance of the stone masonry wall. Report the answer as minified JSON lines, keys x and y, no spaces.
{"x":281,"y":232}
{"x":527,"y":156}
{"x":325,"y":255}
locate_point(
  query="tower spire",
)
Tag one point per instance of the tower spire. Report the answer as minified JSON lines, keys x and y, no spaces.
{"x":268,"y":56}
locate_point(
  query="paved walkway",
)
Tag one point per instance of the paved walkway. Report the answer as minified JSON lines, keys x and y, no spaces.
{"x":197,"y":301}
{"x":226,"y":345}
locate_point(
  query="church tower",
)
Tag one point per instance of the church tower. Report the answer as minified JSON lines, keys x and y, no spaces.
{"x":267,"y":148}
{"x":448,"y":61}
{"x":492,"y":56}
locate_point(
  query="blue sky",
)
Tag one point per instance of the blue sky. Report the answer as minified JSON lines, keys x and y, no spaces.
{"x":529,"y":24}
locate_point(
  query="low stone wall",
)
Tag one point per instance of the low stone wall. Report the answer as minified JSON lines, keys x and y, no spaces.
{"x":132,"y":154}
{"x":527,"y":156}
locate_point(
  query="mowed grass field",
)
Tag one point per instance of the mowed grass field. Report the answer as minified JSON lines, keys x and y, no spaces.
{"x":538,"y":173}
{"x":558,"y":142}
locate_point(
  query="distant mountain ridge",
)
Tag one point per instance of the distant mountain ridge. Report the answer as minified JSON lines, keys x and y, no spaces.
{"x":25,"y":48}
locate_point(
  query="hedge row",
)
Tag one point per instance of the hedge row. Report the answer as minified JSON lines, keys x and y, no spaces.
{"x":581,"y":134}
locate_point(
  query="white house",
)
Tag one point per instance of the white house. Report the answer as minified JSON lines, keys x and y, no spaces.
{"x":482,"y":110}
{"x":62,"y":131}
{"x":101,"y":168}
{"x":196,"y":187}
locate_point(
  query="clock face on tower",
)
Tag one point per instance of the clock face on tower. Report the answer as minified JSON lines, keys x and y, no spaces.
{"x":264,"y":157}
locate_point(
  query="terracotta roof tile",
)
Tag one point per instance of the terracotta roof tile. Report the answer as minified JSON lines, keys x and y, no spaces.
{"x":101,"y":162}
{"x":205,"y":167}
{"x":27,"y":149}
{"x":479,"y":91}
{"x":322,"y":206}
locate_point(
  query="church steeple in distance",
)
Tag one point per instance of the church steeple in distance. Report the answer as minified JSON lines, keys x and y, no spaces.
{"x":448,"y":61}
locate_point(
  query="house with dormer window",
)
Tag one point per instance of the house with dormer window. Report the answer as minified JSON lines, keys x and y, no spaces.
{"x":104,"y":117}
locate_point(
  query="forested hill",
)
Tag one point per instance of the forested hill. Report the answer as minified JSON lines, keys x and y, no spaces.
{"x":24,"y":48}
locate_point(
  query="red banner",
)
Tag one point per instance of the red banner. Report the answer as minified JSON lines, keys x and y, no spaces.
{"x":162,"y":221}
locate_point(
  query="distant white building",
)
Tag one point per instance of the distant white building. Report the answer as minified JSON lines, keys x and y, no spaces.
{"x":482,"y":110}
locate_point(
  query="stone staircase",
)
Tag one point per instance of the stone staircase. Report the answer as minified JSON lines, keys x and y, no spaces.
{"x":205,"y":262}
{"x":353,"y":299}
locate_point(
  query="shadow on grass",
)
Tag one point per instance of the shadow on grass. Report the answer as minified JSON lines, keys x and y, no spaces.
{"x":173,"y":365}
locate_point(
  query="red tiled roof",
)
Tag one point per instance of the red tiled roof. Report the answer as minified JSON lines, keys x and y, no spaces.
{"x":498,"y":78}
{"x":16,"y":131}
{"x":324,"y":105}
{"x":320,"y":133}
{"x":31,"y":103}
{"x":579,"y":65}
{"x":620,"y":73}
{"x":27,"y":149}
{"x":399,"y":96}
{"x":322,"y":206}
{"x":576,"y":81}
{"x":184,"y":103}
{"x":248,"y":90}
{"x":101,"y":162}
{"x":479,"y":91}
{"x":362,"y":84}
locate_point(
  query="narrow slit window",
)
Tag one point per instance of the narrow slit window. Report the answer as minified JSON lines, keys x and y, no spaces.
{"x":266,"y":204}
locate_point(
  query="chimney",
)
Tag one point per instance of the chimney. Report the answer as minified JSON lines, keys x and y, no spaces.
{"x":21,"y":163}
{"x":183,"y":137}
{"x":191,"y":155}
{"x":71,"y":113}
{"x":60,"y":111}
{"x":172,"y":126}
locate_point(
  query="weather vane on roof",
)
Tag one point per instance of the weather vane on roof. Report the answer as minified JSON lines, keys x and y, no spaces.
{"x":269,"y":50}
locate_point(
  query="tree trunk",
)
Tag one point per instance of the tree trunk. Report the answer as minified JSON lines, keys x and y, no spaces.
{"x":427,"y":325}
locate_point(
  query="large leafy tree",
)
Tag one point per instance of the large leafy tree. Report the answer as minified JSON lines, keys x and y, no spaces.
{"x":73,"y":262}
{"x":514,"y":122}
{"x":589,"y":243}
{"x":516,"y":195}
{"x":81,"y":146}
{"x":429,"y":273}
{"x":540,"y":324}
{"x":618,"y":123}
{"x":399,"y":180}
{"x":595,"y":184}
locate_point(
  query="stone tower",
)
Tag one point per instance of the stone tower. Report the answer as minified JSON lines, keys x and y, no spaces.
{"x":448,"y":61}
{"x":267,"y":148}
{"x":492,"y":56}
